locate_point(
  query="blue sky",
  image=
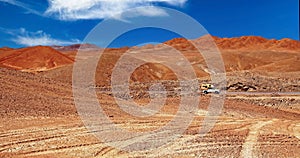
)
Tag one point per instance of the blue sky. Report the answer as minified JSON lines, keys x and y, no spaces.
{"x":65,"y":22}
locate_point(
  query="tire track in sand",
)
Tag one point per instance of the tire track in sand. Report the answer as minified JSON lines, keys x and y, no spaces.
{"x":296,"y":130}
{"x":247,"y":150}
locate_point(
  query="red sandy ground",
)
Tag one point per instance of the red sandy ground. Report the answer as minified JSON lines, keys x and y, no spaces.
{"x":38,"y":117}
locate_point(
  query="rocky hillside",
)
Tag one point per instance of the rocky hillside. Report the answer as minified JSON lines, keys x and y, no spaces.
{"x":33,"y":59}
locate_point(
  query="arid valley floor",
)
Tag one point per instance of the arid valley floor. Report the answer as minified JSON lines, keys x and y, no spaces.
{"x":260,"y":116}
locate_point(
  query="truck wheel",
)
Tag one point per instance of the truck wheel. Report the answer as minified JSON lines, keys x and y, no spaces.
{"x":205,"y":92}
{"x":217,"y":92}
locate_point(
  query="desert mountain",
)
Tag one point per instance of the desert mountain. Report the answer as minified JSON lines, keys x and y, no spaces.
{"x":242,"y":43}
{"x":263,"y":59}
{"x":75,"y":47}
{"x":32,"y":59}
{"x":256,"y":42}
{"x":247,"y":53}
{"x":3,"y":49}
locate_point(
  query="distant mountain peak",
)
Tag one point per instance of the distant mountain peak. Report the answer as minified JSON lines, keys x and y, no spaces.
{"x":75,"y":47}
{"x":243,"y":42}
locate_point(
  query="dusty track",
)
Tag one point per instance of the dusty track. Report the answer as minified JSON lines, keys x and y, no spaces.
{"x":230,"y":137}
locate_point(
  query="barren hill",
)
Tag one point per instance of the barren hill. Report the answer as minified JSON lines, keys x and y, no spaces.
{"x":243,"y":43}
{"x":258,"y":43}
{"x":32,"y":59}
{"x":3,"y":49}
{"x":247,"y":53}
{"x":75,"y":47}
{"x":255,"y":54}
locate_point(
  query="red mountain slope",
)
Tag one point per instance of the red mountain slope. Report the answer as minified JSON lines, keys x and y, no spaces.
{"x":3,"y":49}
{"x":39,"y":58}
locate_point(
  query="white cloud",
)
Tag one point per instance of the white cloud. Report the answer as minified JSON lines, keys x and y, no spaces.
{"x":26,"y":38}
{"x":101,"y":9}
{"x":98,"y":9}
{"x":22,"y":5}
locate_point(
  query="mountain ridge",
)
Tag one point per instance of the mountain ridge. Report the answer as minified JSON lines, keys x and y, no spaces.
{"x":239,"y":53}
